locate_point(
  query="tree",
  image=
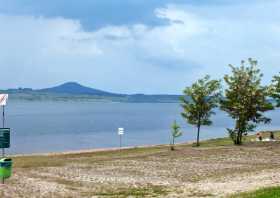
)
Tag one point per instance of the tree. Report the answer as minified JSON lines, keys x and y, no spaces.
{"x":276,"y":90}
{"x":245,"y":99}
{"x":199,"y":101}
{"x":175,"y":133}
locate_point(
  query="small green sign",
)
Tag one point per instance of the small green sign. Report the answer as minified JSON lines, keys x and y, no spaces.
{"x":4,"y":137}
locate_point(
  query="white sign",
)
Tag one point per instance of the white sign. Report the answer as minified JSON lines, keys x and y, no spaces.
{"x":3,"y":99}
{"x":121,"y":131}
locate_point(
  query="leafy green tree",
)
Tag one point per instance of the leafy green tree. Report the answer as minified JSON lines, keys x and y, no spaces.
{"x":245,"y":99}
{"x":175,"y":133}
{"x":199,"y":101}
{"x":276,"y":90}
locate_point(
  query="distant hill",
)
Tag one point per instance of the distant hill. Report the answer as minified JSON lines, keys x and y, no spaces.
{"x":78,"y":92}
{"x":77,"y":89}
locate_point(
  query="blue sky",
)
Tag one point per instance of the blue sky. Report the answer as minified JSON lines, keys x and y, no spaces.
{"x":134,"y":46}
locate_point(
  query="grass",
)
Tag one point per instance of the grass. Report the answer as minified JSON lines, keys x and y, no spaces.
{"x":216,"y":142}
{"x":272,"y":192}
{"x":38,"y":161}
{"x":226,"y":141}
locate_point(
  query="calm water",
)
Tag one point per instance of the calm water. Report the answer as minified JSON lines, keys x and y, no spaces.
{"x":60,"y":126}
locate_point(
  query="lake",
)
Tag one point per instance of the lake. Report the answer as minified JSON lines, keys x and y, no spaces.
{"x":38,"y":127}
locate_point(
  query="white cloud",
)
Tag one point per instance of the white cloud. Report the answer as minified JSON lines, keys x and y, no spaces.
{"x":39,"y":52}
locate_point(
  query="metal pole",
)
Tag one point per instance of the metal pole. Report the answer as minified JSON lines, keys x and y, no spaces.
{"x":120,"y":141}
{"x":3,"y":116}
{"x":3,"y":150}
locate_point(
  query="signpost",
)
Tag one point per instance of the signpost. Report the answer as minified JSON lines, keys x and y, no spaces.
{"x":5,"y":132}
{"x":4,"y":138}
{"x":120,"y":133}
{"x":4,"y":135}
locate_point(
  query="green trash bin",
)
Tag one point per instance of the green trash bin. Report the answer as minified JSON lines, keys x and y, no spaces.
{"x":5,"y":168}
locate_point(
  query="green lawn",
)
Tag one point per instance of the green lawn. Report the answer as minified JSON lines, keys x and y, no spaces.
{"x":272,"y":192}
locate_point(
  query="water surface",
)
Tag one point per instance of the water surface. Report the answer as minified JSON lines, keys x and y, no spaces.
{"x":61,"y":126}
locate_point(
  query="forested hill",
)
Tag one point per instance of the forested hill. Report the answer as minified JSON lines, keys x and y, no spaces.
{"x":76,"y":91}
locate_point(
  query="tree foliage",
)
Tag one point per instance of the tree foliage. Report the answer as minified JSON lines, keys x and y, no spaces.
{"x":245,"y":99}
{"x":199,"y":101}
{"x":175,"y":133}
{"x":276,"y":89}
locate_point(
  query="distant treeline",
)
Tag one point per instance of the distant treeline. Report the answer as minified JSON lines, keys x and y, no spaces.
{"x":137,"y":98}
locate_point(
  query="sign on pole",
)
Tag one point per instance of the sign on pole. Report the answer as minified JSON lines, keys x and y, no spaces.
{"x":3,"y":99}
{"x":4,"y":138}
{"x":121,"y":131}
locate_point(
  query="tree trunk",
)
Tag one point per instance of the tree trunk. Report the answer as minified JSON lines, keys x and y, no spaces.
{"x":238,"y":129}
{"x":239,"y":135}
{"x":242,"y":131}
{"x":172,"y":144}
{"x":198,"y":133}
{"x":238,"y":138}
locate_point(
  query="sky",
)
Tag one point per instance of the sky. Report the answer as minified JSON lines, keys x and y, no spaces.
{"x":134,"y":46}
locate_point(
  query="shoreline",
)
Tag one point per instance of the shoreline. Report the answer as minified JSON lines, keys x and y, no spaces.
{"x":108,"y":149}
{"x":97,"y":150}
{"x":84,"y":151}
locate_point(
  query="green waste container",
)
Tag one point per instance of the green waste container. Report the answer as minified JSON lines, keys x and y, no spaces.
{"x":5,"y":168}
